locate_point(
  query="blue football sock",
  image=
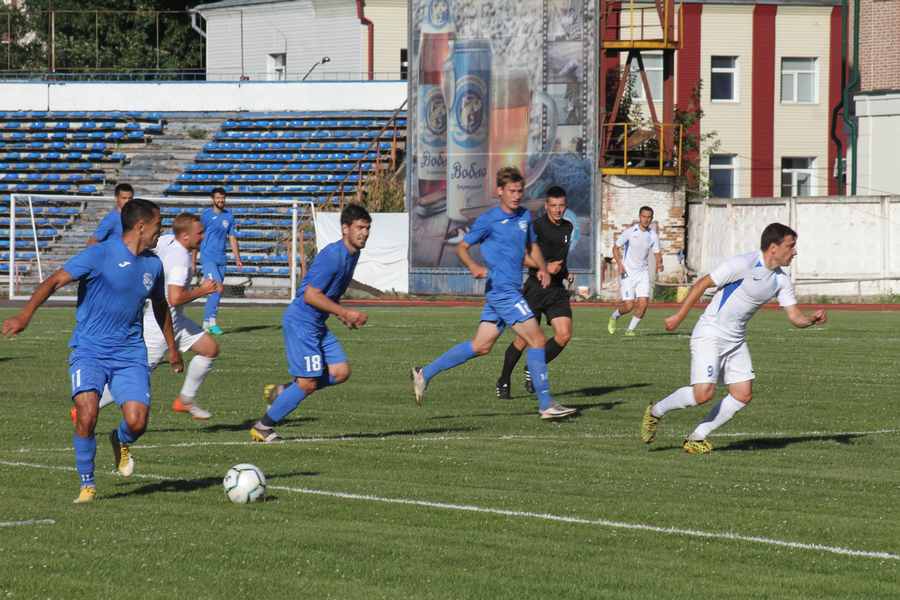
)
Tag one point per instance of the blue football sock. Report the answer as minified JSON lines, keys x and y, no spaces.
{"x":324,"y":380}
{"x":212,"y":306}
{"x":453,"y":357}
{"x":286,"y":402}
{"x":537,"y":366}
{"x":126,"y":436}
{"x":85,"y":449}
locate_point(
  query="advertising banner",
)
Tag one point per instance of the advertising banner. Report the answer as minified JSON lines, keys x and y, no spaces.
{"x":495,"y":83}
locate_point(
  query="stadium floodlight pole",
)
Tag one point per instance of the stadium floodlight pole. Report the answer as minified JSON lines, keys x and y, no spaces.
{"x":324,"y":60}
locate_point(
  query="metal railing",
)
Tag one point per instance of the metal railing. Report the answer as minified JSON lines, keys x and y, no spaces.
{"x":375,"y":145}
{"x":138,"y":75}
{"x":665,"y":22}
{"x":642,"y":148}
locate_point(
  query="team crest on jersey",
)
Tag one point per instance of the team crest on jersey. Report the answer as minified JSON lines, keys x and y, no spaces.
{"x":523,"y":224}
{"x":148,"y":281}
{"x":225,"y":223}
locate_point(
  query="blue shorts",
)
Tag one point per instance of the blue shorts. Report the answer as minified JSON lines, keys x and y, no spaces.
{"x":127,"y":381}
{"x":506,"y":309}
{"x":310,"y":350}
{"x":213,"y":270}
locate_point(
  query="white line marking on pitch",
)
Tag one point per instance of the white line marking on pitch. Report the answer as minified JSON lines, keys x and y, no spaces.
{"x":412,"y":437}
{"x":728,"y":536}
{"x":27,"y":522}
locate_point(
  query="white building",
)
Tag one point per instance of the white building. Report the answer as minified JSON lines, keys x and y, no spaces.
{"x":272,"y":40}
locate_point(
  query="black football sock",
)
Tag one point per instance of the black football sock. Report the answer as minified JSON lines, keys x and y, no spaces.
{"x":552,"y":349}
{"x":510,"y":359}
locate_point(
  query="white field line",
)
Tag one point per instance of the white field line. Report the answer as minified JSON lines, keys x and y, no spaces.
{"x":412,"y":437}
{"x":27,"y":522}
{"x":728,"y":536}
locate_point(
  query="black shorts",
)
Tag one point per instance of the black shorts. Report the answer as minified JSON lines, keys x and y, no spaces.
{"x":551,"y":302}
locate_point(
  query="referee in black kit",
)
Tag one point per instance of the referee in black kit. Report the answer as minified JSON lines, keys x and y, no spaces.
{"x":553,"y":236}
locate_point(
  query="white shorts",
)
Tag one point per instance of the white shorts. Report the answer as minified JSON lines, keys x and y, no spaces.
{"x":716,"y":361}
{"x":635,"y":285}
{"x":187,"y":333}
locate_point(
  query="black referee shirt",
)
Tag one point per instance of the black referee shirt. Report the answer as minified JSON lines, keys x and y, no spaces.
{"x":553,"y":240}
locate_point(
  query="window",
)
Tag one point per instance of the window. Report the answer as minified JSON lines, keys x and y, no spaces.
{"x":797,"y":176}
{"x":798,"y":81}
{"x":277,"y":67}
{"x":723,"y":80}
{"x":721,"y":176}
{"x":653,"y":67}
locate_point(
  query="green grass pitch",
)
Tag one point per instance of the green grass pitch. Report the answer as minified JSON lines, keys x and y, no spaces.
{"x":469,"y":496}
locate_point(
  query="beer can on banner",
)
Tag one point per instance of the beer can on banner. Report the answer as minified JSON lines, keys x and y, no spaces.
{"x":467,"y":93}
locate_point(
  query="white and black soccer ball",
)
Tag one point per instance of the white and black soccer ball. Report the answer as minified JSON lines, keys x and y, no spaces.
{"x":244,"y":483}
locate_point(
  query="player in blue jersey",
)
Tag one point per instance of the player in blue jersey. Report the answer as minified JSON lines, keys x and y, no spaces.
{"x":219,"y":227}
{"x":314,"y":355}
{"x":111,"y":225}
{"x":114,"y":279}
{"x":505,"y":233}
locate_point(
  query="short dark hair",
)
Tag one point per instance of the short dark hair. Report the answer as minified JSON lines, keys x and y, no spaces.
{"x":643,"y":208}
{"x":137,"y":210}
{"x":774,"y":233}
{"x":123,"y":187}
{"x":556,"y":192}
{"x":508,"y":175}
{"x":354,"y":212}
{"x":217,"y":190}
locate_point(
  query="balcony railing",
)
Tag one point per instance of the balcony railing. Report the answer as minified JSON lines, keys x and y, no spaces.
{"x":639,"y":149}
{"x":641,"y":24}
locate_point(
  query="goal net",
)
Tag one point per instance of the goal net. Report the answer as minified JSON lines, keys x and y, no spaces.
{"x":276,"y":239}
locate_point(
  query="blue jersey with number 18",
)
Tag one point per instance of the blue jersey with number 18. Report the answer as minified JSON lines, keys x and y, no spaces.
{"x":331,"y":272}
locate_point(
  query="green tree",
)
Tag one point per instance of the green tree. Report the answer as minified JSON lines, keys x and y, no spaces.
{"x":123,"y":35}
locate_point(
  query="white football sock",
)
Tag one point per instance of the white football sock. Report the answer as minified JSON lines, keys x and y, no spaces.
{"x":196,"y":373}
{"x":106,"y":397}
{"x":616,"y":314}
{"x":680,"y":398}
{"x":634,"y":323}
{"x":717,"y":417}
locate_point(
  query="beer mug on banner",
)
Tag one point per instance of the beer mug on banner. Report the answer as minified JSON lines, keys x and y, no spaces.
{"x":513,"y":100}
{"x":467,"y":94}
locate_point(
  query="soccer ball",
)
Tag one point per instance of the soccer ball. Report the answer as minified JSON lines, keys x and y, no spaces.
{"x":244,"y":483}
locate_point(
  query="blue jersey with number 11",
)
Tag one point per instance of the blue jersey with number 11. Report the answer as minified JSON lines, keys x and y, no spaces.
{"x":113,"y":284}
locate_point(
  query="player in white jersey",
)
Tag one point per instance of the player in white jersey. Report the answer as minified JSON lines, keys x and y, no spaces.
{"x":719,"y":352}
{"x":632,"y":252}
{"x":174,"y":250}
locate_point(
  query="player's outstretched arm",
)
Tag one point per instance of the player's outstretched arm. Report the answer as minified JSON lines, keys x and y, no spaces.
{"x":236,"y":251}
{"x":349,"y":317}
{"x":617,"y":256}
{"x":477,"y":271}
{"x":696,"y":291}
{"x":179,"y":295}
{"x":801,"y":320}
{"x":164,"y":320}
{"x":538,"y":257}
{"x":48,"y":287}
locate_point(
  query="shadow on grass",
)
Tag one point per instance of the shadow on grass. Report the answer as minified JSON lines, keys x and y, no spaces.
{"x":242,"y":426}
{"x":365,"y":435}
{"x":595,"y":405}
{"x":773,"y":443}
{"x":777,"y":443}
{"x":600,"y":390}
{"x":249,"y":328}
{"x":180,"y":486}
{"x":484,"y":415}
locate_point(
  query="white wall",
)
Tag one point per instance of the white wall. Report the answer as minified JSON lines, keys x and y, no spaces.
{"x":878,"y":144}
{"x":304,"y":30}
{"x":203,"y":97}
{"x":842,"y":240}
{"x":384,"y":262}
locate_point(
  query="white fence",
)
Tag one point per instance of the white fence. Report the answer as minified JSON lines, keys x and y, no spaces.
{"x":846,"y":246}
{"x":204,"y":96}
